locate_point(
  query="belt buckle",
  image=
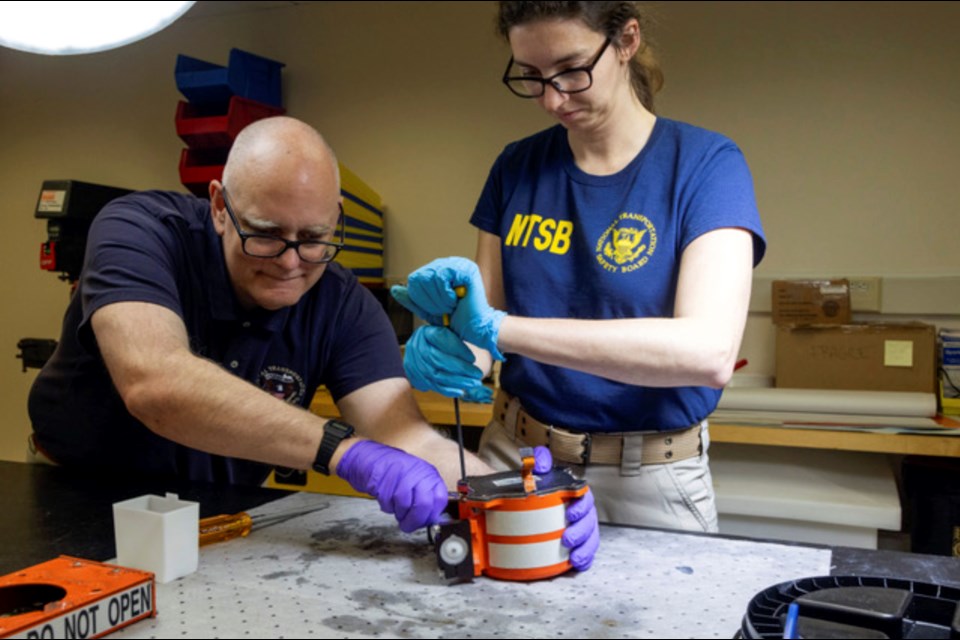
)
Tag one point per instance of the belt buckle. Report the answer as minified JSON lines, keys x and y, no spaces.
{"x":587,"y":447}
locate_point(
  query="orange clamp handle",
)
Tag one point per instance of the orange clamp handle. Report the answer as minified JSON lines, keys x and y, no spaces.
{"x":225,"y":527}
{"x":526,"y":473}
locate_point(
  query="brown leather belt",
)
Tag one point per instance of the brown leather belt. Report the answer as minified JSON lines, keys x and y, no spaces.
{"x":579,"y":447}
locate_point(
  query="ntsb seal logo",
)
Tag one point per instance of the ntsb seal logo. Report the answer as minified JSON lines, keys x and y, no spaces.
{"x":283,"y":383}
{"x":627,"y":244}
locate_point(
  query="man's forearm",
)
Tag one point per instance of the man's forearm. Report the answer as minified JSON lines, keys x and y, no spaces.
{"x":386,"y":411}
{"x":444,"y":455}
{"x":204,"y":407}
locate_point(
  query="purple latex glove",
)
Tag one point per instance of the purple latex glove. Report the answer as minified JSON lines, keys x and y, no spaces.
{"x":542,"y":460}
{"x":404,"y":485}
{"x":582,"y":535}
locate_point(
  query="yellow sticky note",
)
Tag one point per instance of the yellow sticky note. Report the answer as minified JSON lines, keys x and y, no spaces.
{"x":898,"y":353}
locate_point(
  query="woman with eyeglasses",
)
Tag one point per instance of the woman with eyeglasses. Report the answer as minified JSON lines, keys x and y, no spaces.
{"x":612,"y":276}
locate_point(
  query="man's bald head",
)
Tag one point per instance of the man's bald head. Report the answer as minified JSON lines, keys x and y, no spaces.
{"x":280,"y":153}
{"x":283,"y":183}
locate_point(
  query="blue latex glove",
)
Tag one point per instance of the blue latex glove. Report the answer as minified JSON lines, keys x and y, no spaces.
{"x":435,"y":359}
{"x":404,"y":485}
{"x":430,"y":293}
{"x":430,"y":289}
{"x":477,"y":322}
{"x":582,"y":535}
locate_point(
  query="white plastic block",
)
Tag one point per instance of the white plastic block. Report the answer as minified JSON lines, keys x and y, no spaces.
{"x":158,"y":534}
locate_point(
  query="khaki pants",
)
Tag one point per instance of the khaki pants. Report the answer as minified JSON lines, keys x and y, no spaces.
{"x":673,"y":495}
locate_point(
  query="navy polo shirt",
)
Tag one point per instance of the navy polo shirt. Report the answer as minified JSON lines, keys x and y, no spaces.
{"x":162,"y":248}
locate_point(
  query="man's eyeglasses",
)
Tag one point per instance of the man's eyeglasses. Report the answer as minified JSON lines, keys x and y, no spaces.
{"x":259,"y":245}
{"x":570,"y":81}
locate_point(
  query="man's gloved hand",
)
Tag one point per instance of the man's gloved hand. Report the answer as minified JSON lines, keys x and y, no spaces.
{"x":404,"y":485}
{"x":542,"y":460}
{"x":435,"y":359}
{"x":430,"y":293}
{"x":582,"y":535}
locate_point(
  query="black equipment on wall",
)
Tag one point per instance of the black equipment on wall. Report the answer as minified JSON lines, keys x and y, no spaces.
{"x":69,"y":207}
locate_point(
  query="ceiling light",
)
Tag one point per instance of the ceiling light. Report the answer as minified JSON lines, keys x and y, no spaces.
{"x":68,"y":28}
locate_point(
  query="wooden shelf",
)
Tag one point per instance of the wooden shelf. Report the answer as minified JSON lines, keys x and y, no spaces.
{"x":439,"y":411}
{"x":907,"y":444}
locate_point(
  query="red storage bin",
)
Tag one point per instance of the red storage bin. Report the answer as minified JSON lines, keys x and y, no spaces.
{"x":208,"y":126}
{"x":199,"y":166}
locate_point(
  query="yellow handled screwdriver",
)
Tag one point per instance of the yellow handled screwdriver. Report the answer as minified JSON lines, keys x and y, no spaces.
{"x":461,"y":292}
{"x":225,"y":527}
{"x":239,"y":525}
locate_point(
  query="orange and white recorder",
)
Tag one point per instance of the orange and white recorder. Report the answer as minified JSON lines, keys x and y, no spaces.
{"x":510,"y":524}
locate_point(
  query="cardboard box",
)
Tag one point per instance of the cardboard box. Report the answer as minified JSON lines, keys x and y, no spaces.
{"x":811,"y":302}
{"x":867,"y":357}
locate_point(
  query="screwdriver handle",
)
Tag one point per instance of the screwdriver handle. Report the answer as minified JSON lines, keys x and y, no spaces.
{"x":461,"y":292}
{"x":224,"y":527}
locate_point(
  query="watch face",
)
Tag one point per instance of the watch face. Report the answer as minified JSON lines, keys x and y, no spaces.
{"x":339,"y":428}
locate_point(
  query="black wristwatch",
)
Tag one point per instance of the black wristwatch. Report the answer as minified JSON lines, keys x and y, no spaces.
{"x":334,"y":432}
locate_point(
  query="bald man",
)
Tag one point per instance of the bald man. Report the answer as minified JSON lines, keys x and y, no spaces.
{"x":200,"y":331}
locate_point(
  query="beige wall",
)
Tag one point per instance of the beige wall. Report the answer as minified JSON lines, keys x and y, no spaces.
{"x":847,"y":115}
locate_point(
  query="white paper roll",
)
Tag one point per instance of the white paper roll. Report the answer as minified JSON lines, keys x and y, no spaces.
{"x":878,"y":403}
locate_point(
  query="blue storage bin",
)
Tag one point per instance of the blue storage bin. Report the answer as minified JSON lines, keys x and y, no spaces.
{"x":247,"y":75}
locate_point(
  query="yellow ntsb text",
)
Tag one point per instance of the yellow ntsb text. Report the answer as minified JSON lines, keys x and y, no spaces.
{"x":547,"y":233}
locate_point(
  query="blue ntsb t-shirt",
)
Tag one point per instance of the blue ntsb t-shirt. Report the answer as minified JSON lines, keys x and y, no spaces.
{"x":581,"y":246}
{"x":162,"y":248}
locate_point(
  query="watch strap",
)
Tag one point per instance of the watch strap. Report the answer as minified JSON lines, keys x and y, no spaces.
{"x":334,"y":432}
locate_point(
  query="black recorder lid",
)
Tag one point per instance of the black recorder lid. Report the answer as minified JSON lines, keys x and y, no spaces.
{"x":509,"y":484}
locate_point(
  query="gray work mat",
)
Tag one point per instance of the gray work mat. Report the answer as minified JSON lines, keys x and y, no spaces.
{"x":347,"y":571}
